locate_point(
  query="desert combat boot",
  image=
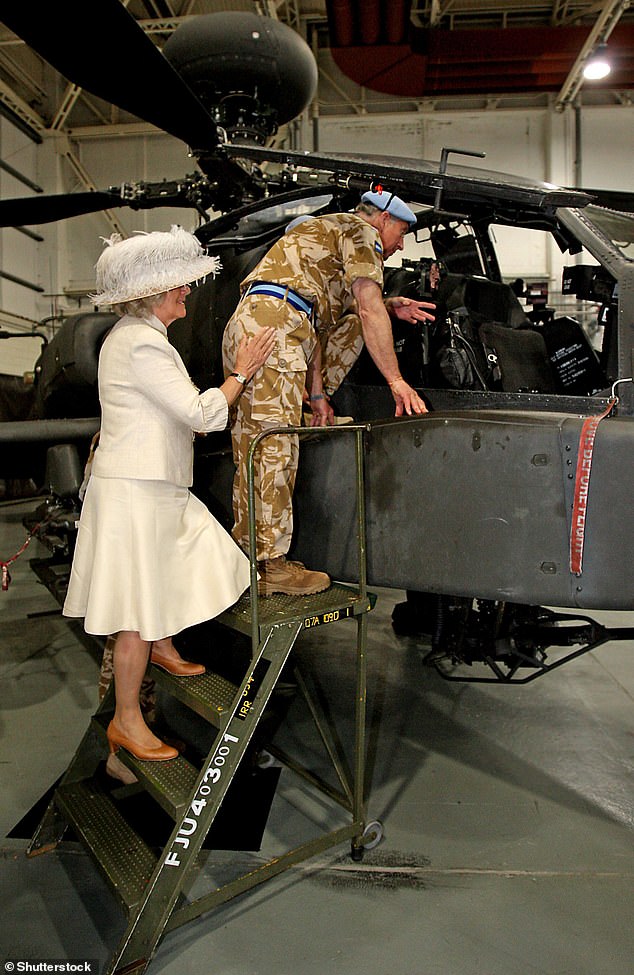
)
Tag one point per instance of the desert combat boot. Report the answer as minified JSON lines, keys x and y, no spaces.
{"x":290,"y":578}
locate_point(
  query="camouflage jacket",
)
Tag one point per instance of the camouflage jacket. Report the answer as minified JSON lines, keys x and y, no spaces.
{"x":320,"y":259}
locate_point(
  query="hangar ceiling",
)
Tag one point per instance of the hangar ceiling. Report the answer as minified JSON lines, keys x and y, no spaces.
{"x":431,"y":48}
{"x":373,"y":56}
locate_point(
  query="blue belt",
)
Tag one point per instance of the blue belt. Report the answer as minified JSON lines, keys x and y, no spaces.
{"x":280,"y":291}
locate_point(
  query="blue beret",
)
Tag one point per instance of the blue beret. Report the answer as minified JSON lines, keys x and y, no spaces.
{"x":295,"y":222}
{"x":393,"y":204}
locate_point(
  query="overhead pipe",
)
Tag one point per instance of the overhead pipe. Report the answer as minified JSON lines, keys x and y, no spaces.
{"x":368,"y":19}
{"x":397,"y":21}
{"x":368,"y":22}
{"x":341,"y":23}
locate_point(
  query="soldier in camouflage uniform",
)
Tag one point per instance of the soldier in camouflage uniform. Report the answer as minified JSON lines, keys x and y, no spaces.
{"x":320,"y":286}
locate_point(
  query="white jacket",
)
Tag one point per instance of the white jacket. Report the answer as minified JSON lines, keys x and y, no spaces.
{"x":150,"y":408}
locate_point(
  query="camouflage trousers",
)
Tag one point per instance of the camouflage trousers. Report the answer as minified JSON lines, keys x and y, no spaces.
{"x":273,"y":399}
{"x":341,"y":346}
{"x":147,"y":695}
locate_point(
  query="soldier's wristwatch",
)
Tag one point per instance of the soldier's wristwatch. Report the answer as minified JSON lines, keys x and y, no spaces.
{"x":241,"y":379}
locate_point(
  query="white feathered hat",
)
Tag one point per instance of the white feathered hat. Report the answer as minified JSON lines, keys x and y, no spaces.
{"x":149,"y":264}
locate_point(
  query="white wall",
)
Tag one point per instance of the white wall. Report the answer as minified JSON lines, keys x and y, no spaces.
{"x":607,"y":137}
{"x":19,"y":256}
{"x":111,"y":163}
{"x":537,"y":143}
{"x":63,"y":262}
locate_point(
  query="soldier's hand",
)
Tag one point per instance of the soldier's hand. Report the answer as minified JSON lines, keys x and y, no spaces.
{"x":408,"y":310}
{"x":407,"y":399}
{"x":323,"y":413}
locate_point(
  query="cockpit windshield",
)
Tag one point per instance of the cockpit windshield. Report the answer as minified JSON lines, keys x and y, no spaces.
{"x":617,"y":227}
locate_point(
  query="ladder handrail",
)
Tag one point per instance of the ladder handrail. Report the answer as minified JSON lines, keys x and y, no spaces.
{"x":358,"y":429}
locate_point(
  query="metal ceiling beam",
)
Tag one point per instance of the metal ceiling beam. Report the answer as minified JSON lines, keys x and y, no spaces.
{"x":120,"y":130}
{"x":20,"y":74}
{"x":473,"y":14}
{"x":20,"y":177}
{"x":605,"y":24}
{"x":80,"y":171}
{"x":71,"y":95}
{"x":28,"y":120}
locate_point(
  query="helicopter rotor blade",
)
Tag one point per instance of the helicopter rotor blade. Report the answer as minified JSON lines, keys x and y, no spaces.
{"x":192,"y":191}
{"x":122,"y":66}
{"x":408,"y":175}
{"x":27,"y":211}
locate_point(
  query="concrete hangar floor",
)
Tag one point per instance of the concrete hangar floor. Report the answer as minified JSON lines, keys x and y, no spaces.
{"x":507,"y":814}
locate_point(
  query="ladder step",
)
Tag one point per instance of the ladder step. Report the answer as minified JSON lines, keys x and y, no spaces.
{"x":209,"y":694}
{"x":169,"y":783}
{"x":333,"y":604}
{"x":125,"y":860}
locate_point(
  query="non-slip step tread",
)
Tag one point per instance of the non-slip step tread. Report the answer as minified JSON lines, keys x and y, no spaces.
{"x":209,"y":694}
{"x":281,"y":608}
{"x":170,"y":783}
{"x":175,"y":779}
{"x":125,"y":860}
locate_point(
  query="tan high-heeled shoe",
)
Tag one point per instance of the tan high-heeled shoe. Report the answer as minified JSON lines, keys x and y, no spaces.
{"x":178,"y":668}
{"x":117,"y":770}
{"x":162,"y":752}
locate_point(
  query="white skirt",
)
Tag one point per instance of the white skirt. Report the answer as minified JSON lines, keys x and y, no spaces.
{"x":151,"y":558}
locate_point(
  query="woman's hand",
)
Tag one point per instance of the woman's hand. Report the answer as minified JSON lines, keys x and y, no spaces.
{"x":251,"y":355}
{"x":253,"y":352}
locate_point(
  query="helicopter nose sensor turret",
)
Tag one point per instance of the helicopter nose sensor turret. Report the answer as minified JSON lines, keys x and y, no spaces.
{"x":251,"y":73}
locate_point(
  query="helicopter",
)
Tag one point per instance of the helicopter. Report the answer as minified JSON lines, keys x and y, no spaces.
{"x":511,"y":495}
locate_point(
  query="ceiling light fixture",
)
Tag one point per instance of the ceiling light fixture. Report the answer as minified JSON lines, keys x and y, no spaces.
{"x":597,"y":66}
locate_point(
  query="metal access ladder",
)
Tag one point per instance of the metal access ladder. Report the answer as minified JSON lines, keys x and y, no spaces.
{"x":152,"y":886}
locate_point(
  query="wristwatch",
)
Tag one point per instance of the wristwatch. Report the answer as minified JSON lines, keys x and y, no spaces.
{"x":241,"y":379}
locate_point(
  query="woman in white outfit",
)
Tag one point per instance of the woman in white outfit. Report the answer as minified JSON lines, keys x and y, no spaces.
{"x":150,"y":559}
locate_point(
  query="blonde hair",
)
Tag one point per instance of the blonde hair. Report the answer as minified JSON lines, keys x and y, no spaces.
{"x":140,"y":307}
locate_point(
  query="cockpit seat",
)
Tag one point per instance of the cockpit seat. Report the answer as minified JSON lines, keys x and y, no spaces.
{"x":575,"y":363}
{"x":522,"y":358}
{"x":483,"y":301}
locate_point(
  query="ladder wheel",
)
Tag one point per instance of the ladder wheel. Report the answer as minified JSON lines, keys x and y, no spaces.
{"x":265,"y":760}
{"x":372,"y":835}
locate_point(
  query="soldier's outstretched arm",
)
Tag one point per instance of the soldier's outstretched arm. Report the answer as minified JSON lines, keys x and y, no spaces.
{"x":377,"y":334}
{"x":410,"y":310}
